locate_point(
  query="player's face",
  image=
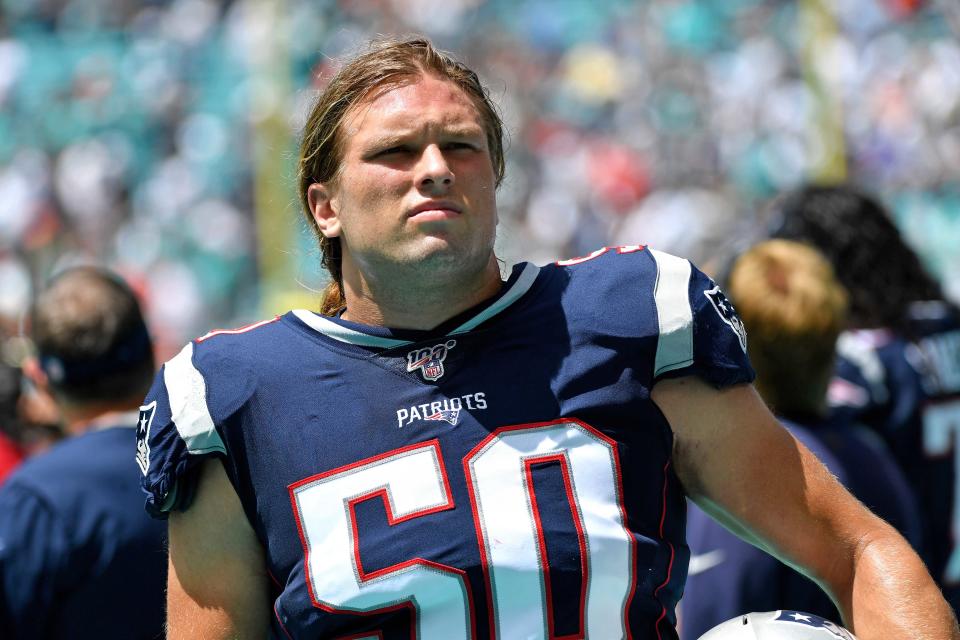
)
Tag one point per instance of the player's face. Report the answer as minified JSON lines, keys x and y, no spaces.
{"x":416,"y":185}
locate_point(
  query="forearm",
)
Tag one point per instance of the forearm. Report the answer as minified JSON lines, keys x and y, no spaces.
{"x":888,"y":592}
{"x":793,"y":507}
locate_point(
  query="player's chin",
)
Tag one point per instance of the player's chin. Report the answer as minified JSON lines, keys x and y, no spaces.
{"x":442,"y":250}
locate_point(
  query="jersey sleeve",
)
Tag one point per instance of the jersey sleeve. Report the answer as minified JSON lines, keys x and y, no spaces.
{"x":175,"y":432}
{"x":700,"y":332}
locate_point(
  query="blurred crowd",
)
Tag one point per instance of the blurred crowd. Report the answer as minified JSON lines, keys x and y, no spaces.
{"x":157,"y":137}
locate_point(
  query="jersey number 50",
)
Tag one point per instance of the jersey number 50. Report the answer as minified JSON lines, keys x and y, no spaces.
{"x":413,"y":483}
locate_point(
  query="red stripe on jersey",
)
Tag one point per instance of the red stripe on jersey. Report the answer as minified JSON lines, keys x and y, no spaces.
{"x":663,"y":517}
{"x":244,"y":329}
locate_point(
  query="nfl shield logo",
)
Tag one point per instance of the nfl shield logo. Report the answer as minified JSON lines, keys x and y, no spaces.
{"x":430,"y":360}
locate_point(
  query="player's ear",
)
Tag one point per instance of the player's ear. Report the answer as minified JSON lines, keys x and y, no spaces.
{"x":32,"y":371}
{"x":323,"y":208}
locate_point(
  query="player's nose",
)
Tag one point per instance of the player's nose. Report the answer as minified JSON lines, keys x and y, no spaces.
{"x":433,"y":171}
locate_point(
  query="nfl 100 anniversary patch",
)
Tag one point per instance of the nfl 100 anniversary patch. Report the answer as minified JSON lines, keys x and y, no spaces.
{"x":430,"y":360}
{"x":728,"y":314}
{"x":143,"y":435}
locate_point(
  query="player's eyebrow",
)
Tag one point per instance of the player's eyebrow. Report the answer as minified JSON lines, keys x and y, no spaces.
{"x":401,"y":136}
{"x":464,"y":131}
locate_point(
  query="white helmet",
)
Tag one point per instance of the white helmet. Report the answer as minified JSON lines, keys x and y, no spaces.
{"x":778,"y":625}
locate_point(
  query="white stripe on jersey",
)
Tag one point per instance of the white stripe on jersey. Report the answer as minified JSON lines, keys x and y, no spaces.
{"x":188,"y":404}
{"x":343,"y":334}
{"x":520,"y":287}
{"x":672,"y":298}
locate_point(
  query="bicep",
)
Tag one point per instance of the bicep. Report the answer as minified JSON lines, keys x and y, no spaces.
{"x":217,"y":585}
{"x":742,"y":467}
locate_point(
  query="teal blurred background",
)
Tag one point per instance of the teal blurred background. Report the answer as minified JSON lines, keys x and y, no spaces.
{"x":159,"y":138}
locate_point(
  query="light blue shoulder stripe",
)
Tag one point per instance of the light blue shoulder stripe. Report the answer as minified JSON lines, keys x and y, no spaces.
{"x":187,"y":392}
{"x":520,"y":287}
{"x":674,"y":315}
{"x":351,"y":336}
{"x":343,"y":334}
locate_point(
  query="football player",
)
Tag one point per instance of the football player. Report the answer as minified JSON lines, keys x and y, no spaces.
{"x":899,"y":368}
{"x":794,"y":309}
{"x":564,"y":415}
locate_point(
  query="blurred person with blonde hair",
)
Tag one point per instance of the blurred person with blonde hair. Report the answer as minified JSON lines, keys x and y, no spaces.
{"x":794,"y":309}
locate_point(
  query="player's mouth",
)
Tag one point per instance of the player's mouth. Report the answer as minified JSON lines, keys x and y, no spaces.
{"x":435,"y":210}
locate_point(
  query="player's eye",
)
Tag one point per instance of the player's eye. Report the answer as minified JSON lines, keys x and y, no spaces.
{"x":394,"y":150}
{"x":459,"y":146}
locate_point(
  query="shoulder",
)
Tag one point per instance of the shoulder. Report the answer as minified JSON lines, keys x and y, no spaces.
{"x":634,"y":277}
{"x":83,"y":459}
{"x":229,"y":350}
{"x":609,"y":267}
{"x":194,"y":397}
{"x":45,"y":472}
{"x":223,"y":366}
{"x":613,"y":291}
{"x":687,"y":325}
{"x":670,"y":285}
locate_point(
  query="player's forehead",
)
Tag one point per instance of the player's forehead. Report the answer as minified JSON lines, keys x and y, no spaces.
{"x":425,"y":103}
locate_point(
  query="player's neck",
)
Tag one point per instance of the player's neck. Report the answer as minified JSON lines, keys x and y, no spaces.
{"x":417,"y":305}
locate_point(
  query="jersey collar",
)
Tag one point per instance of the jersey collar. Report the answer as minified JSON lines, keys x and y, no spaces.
{"x":520,"y":281}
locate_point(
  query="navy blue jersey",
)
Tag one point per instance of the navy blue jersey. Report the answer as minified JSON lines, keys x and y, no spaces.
{"x":78,"y":557}
{"x":908,"y":390}
{"x":730,"y":577}
{"x":504,"y":475}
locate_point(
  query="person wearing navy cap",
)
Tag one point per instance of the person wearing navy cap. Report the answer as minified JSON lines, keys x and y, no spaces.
{"x":79,"y":558}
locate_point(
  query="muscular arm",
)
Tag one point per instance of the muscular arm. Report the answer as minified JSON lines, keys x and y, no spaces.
{"x":217,"y":586}
{"x":743,"y":468}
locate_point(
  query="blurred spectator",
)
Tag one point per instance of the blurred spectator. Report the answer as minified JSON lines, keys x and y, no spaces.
{"x":793,"y":309}
{"x":10,"y":453}
{"x":899,"y":370}
{"x":79,"y":558}
{"x":39,"y":417}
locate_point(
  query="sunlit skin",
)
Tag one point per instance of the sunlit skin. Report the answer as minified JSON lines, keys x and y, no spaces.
{"x":414,"y":206}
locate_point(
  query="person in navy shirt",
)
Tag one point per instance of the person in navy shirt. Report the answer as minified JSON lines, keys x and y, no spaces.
{"x":899,"y":365}
{"x":78,"y":556}
{"x":794,"y":309}
{"x":441,"y":453}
